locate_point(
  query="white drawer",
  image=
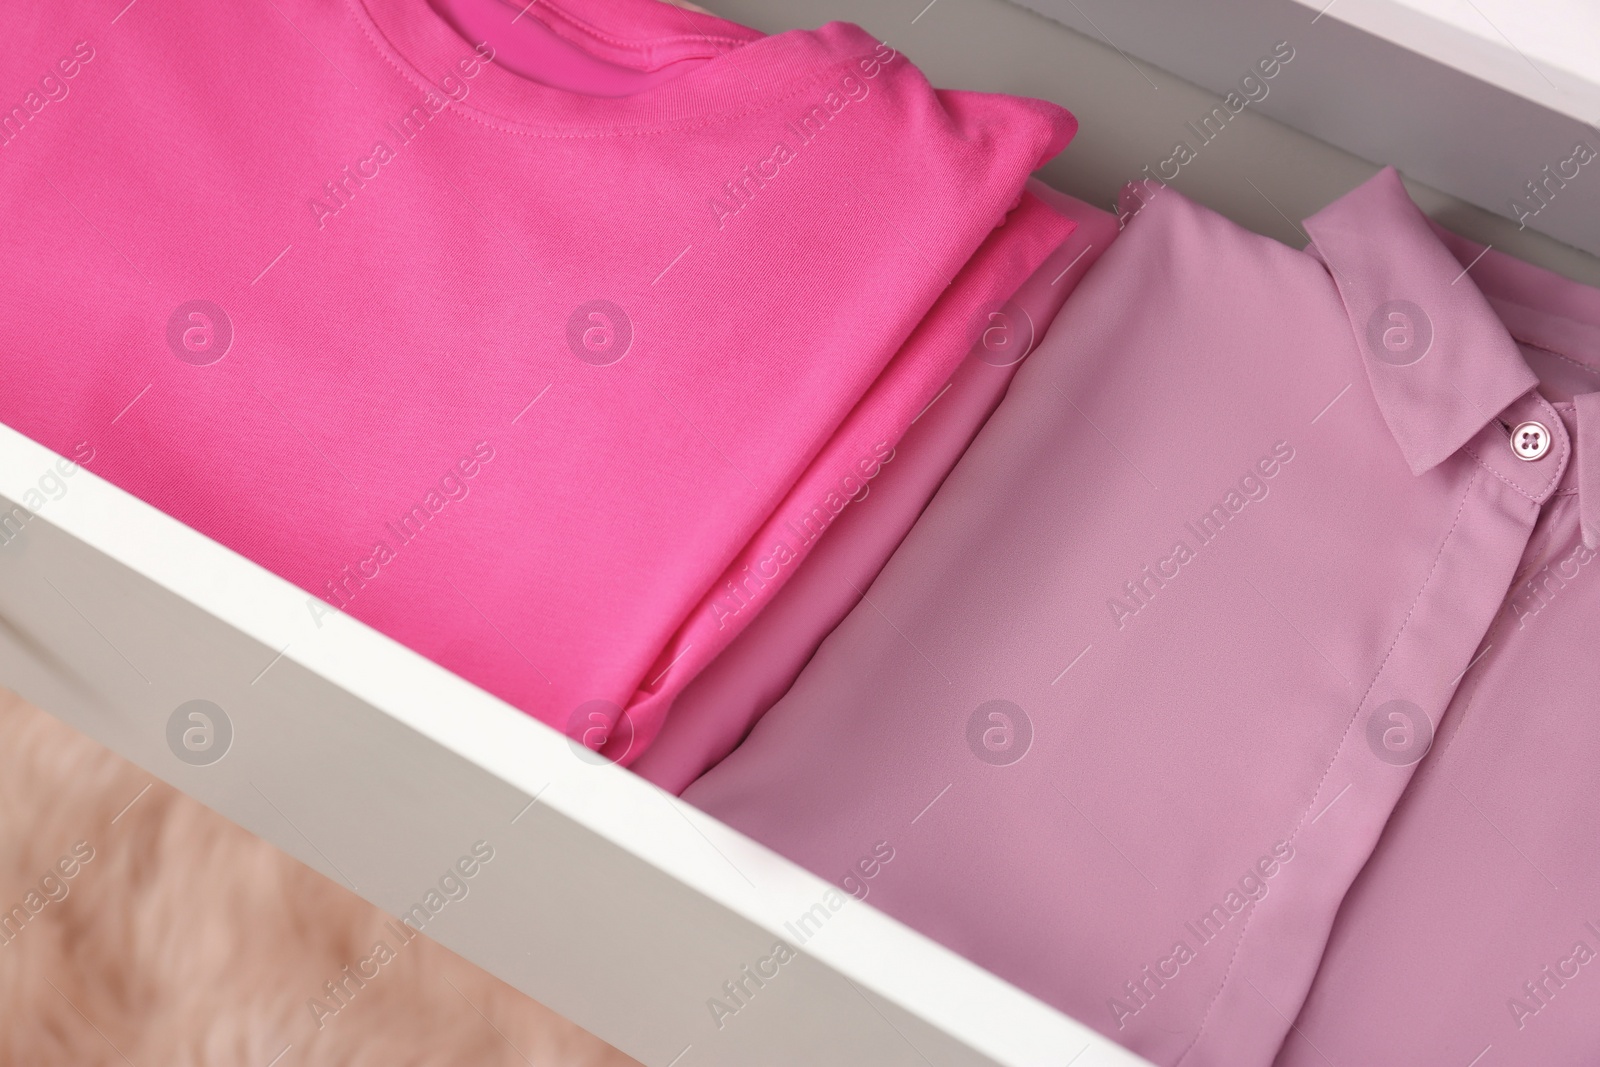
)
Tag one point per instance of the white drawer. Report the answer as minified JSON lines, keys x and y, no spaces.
{"x":606,"y":899}
{"x":1483,"y":100}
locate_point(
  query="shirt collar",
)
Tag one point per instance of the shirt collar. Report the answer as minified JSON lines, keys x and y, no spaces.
{"x":1441,"y":363}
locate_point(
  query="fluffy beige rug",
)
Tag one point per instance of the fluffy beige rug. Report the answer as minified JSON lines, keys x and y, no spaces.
{"x":166,"y":936}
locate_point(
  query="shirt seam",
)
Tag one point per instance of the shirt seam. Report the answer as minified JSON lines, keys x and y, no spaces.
{"x":1547,"y":350}
{"x":511,"y":127}
{"x":1339,"y":747}
{"x":1500,"y":626}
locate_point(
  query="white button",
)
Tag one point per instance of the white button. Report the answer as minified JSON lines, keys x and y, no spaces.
{"x":1530,"y":440}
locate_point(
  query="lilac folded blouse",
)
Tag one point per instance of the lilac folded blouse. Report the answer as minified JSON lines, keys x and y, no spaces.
{"x":1134,"y":702}
{"x":1474,"y":929}
{"x":716,"y":710}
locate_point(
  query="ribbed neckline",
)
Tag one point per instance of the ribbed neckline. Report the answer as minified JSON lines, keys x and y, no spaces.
{"x":744,"y":71}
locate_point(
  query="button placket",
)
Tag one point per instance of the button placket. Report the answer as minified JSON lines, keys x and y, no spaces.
{"x":1526,"y":445}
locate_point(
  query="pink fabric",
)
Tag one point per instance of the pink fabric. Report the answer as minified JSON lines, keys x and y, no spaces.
{"x":565,"y":54}
{"x":716,"y":710}
{"x":510,"y":372}
{"x":857,"y":452}
{"x":1134,"y":700}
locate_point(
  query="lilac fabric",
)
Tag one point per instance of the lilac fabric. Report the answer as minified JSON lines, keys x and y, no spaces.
{"x":1134,"y":701}
{"x":1473,"y":933}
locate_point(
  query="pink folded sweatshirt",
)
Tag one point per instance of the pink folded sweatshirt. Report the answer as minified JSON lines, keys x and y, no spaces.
{"x":511,"y":352}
